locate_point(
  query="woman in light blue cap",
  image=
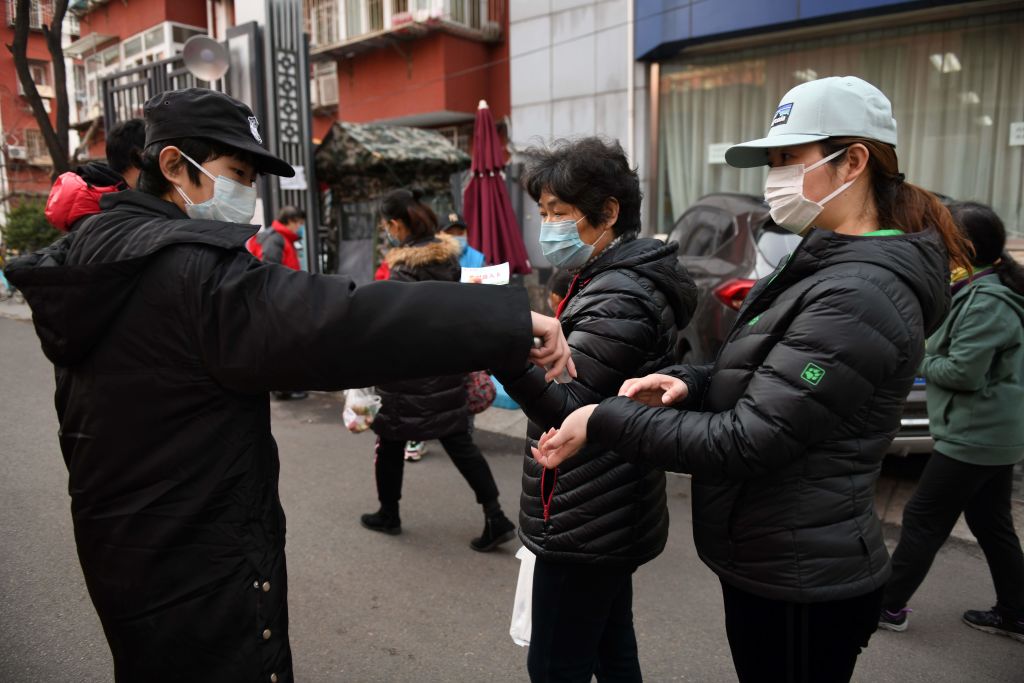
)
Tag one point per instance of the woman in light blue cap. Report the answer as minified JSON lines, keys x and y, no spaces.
{"x":785,"y":433}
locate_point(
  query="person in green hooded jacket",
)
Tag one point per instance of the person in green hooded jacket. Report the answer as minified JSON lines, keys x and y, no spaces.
{"x":974,"y":366}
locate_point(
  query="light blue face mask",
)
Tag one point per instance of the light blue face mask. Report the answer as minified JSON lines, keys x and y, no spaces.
{"x":461,"y":239}
{"x":231,"y":202}
{"x":562,"y":247}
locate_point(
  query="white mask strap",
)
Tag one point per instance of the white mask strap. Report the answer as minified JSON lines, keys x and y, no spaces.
{"x":183,"y":195}
{"x":210,"y":175}
{"x":819,"y":162}
{"x":838,"y":190}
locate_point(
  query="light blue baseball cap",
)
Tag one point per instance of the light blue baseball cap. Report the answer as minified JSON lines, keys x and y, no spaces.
{"x":838,"y":106}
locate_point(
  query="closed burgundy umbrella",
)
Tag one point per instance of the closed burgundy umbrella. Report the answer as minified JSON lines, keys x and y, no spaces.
{"x":493,"y":228}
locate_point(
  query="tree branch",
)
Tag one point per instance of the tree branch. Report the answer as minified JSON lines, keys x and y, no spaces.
{"x":56,"y":140}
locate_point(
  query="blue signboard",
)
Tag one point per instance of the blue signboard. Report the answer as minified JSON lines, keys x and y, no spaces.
{"x":663,"y":27}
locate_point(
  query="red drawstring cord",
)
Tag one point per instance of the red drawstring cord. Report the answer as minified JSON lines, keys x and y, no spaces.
{"x":545,"y":501}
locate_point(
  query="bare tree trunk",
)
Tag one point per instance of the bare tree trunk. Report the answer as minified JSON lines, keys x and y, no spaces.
{"x":56,"y":140}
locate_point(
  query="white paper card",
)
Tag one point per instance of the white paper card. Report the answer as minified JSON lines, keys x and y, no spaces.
{"x":490,"y":275}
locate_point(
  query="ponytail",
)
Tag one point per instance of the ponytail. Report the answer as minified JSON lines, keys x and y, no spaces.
{"x":981,"y":225}
{"x":405,"y":206}
{"x":902,"y":205}
{"x":1010,"y":272}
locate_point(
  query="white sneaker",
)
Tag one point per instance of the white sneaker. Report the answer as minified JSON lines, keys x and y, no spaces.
{"x":414,"y":450}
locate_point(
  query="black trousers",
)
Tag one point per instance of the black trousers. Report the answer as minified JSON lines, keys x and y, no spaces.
{"x":947,"y":488}
{"x":773,"y":641}
{"x":390,"y":464}
{"x":582,"y":624}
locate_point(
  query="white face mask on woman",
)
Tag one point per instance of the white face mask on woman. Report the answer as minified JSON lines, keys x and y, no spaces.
{"x":784,"y":192}
{"x":231,"y":201}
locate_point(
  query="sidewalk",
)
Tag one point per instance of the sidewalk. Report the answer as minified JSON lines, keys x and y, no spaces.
{"x":10,"y":309}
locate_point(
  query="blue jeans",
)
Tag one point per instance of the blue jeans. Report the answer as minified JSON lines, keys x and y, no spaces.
{"x":582,"y":624}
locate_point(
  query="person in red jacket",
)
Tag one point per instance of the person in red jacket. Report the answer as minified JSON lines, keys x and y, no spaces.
{"x":76,"y":194}
{"x":276,"y":244}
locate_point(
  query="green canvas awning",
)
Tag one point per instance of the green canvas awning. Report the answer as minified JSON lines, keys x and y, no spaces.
{"x":363,"y":161}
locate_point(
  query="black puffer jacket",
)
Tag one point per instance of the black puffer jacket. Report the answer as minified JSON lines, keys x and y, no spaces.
{"x":621,"y":320}
{"x":436,"y":406}
{"x":160,"y":328}
{"x":785,"y":434}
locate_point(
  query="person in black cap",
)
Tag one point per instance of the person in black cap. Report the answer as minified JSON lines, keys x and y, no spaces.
{"x":167,"y":336}
{"x":456,"y":227}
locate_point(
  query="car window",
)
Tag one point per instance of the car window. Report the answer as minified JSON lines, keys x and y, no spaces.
{"x":775,"y":245}
{"x":702,"y":231}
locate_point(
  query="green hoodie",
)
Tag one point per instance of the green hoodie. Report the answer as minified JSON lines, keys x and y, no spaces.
{"x":974,"y":364}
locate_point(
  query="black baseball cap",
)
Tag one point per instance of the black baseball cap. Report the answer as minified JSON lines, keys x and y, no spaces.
{"x":454,"y":220}
{"x":203,"y":113}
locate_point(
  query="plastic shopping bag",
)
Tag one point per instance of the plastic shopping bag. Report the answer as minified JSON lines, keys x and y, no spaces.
{"x":522,"y":607}
{"x":361,"y":406}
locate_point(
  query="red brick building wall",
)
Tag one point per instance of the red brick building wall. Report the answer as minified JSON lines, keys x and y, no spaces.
{"x":16,"y":114}
{"x":125,"y":18}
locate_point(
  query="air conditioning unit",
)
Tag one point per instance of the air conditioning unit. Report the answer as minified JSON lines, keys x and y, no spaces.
{"x":327,"y":88}
{"x":17,"y":152}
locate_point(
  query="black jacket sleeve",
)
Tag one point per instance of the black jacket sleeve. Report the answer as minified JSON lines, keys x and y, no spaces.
{"x":269,"y":327}
{"x":697,"y":379}
{"x":780,"y":414}
{"x":610,"y":341}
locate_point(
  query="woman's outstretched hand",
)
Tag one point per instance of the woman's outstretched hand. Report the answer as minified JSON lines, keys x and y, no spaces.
{"x":656,"y":391}
{"x":552,"y":355}
{"x":558,"y":445}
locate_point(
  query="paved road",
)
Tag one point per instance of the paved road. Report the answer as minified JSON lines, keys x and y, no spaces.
{"x":418,"y":607}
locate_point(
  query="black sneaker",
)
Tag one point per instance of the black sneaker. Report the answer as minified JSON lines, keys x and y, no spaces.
{"x":382,"y":521}
{"x":894,"y":621}
{"x":995,"y":621}
{"x":497,"y":530}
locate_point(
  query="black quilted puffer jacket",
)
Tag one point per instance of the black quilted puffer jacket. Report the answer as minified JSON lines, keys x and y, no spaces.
{"x":621,"y":319}
{"x":430,"y":408}
{"x":785,"y":434}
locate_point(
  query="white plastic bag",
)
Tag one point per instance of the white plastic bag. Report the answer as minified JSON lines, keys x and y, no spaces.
{"x":361,"y":406}
{"x":522,"y":607}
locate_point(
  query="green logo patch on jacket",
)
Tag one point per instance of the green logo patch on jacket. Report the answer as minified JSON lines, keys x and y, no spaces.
{"x":812,"y":374}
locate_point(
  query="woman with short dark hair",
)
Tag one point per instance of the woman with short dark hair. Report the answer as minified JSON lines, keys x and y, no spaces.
{"x":594,"y":521}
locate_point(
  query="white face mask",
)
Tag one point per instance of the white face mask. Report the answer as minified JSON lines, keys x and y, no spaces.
{"x":231,"y":202}
{"x":784,"y":192}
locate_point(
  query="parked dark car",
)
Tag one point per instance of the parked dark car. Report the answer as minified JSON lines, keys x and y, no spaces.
{"x":727,"y":242}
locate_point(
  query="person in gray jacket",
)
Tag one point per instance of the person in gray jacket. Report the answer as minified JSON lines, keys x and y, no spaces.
{"x":785,"y":433}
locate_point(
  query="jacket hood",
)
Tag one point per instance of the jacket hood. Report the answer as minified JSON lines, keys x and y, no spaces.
{"x":919,"y":259}
{"x":285,"y":232}
{"x":101,"y":175}
{"x":77,"y":194}
{"x":656,"y":261}
{"x":992,"y":286}
{"x":437,"y":249}
{"x":77,"y":286}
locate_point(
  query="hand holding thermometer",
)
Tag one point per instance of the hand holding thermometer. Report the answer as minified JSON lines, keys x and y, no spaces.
{"x":564,"y":377}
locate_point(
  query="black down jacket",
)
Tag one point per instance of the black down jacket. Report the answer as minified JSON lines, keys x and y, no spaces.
{"x":621,"y":319}
{"x":433,"y":407}
{"x":166,"y":336}
{"x":785,"y":434}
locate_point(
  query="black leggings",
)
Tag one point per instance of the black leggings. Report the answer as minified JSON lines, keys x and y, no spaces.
{"x":582,"y":624}
{"x":390,"y":464}
{"x":947,"y":488}
{"x":774,"y":641}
